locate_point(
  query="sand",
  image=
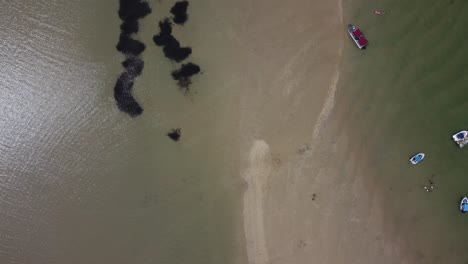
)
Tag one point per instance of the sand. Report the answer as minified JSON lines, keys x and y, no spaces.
{"x":256,"y":176}
{"x":308,"y":199}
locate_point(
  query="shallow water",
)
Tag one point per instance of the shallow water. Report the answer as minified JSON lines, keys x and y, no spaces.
{"x":81,"y":182}
{"x":407,"y":94}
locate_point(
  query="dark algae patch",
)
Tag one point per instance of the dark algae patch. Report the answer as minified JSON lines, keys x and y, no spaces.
{"x":165,"y":30}
{"x":133,"y":9}
{"x":129,"y":46}
{"x":182,"y":75}
{"x":133,"y":65}
{"x":185,"y":71}
{"x":174,"y":134}
{"x":130,"y":11}
{"x":174,"y":51}
{"x":123,"y":95}
{"x":171,"y":46}
{"x":179,"y":10}
{"x":123,"y":88}
{"x":129,"y":26}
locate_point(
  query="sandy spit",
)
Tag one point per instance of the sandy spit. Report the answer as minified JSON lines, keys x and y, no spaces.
{"x":307,"y":198}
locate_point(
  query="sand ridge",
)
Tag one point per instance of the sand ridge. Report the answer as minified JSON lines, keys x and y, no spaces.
{"x":260,"y":162}
{"x":256,"y":177}
{"x":306,"y":200}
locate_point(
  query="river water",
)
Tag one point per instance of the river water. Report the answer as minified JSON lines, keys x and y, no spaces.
{"x":81,"y":182}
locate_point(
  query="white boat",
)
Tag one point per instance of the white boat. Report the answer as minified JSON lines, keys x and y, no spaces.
{"x":357,"y":36}
{"x":464,"y":205}
{"x":417,"y":158}
{"x":461,"y":138}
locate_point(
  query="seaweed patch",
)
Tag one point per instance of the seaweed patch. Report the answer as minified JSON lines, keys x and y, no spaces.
{"x":129,"y":46}
{"x":179,"y":10}
{"x":182,"y":75}
{"x":130,"y":11}
{"x":174,"y":134}
{"x":123,"y":95}
{"x":171,"y":46}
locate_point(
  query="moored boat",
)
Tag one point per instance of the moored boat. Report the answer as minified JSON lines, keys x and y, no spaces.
{"x":461,"y":138}
{"x":464,"y":205}
{"x":417,"y":158}
{"x":357,"y":36}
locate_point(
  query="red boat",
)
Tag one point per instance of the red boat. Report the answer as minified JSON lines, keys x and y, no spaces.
{"x":357,"y":36}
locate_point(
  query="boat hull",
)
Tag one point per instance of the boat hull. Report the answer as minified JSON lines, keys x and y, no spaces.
{"x":417,"y":158}
{"x":357,"y":36}
{"x":464,"y":205}
{"x":461,"y":138}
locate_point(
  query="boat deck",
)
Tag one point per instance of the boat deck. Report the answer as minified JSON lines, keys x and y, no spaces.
{"x":357,"y":36}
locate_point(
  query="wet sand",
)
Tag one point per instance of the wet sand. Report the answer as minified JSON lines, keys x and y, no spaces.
{"x":308,"y":199}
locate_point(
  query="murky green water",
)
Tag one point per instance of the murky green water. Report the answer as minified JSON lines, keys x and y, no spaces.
{"x":81,"y":182}
{"x":408,"y":93}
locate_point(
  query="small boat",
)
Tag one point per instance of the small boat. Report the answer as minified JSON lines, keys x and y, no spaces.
{"x":461,"y":138}
{"x":464,"y":205}
{"x":379,"y":13}
{"x":357,"y":36}
{"x":417,"y":158}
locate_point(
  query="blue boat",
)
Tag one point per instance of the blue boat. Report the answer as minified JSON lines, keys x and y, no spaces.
{"x":464,"y":205}
{"x":417,"y":158}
